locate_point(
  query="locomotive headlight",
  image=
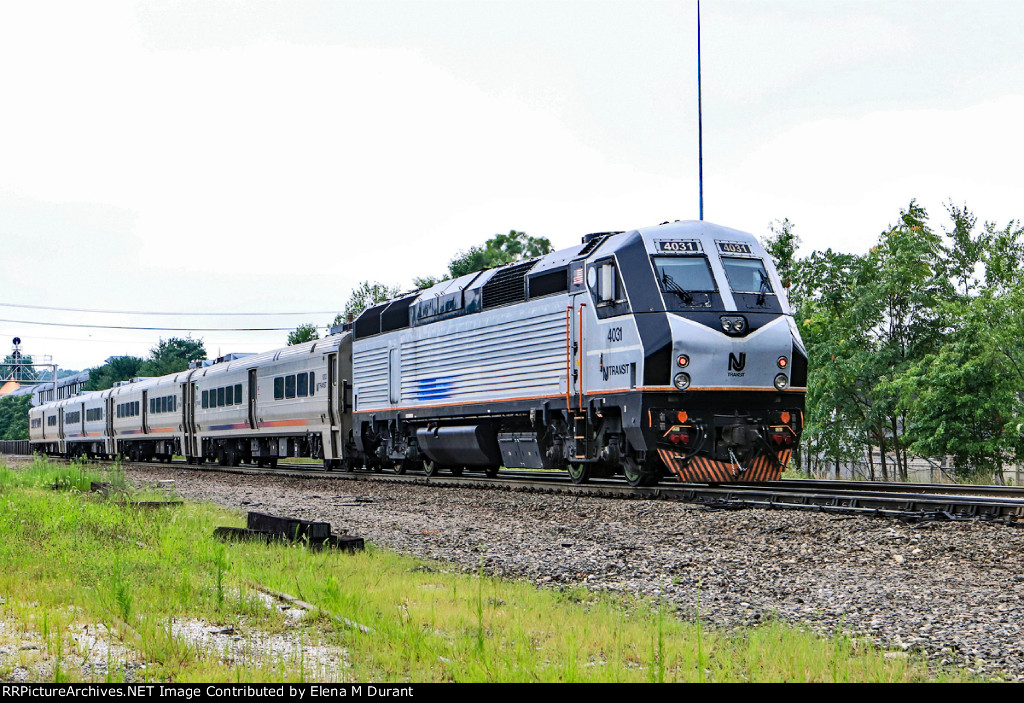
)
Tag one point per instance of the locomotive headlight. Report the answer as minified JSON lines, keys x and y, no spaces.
{"x":738,"y":325}
{"x":727,"y":325}
{"x":781,"y":382}
{"x":683,"y":360}
{"x":681,"y":381}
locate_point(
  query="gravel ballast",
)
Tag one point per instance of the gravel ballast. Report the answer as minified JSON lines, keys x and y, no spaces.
{"x":951,"y":591}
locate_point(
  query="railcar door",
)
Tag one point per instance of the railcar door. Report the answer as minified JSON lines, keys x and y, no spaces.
{"x":332,"y":401}
{"x":188,"y":416}
{"x":252,"y":399}
{"x":108,"y":415}
{"x":574,"y":337}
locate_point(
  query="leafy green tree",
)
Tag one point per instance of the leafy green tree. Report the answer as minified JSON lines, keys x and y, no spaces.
{"x":173,"y":355}
{"x":303,"y":333}
{"x":366,"y":295}
{"x":14,"y":417}
{"x":499,"y":250}
{"x":826,"y":284}
{"x":781,"y":245}
{"x":116,"y":368}
{"x":965,"y":398}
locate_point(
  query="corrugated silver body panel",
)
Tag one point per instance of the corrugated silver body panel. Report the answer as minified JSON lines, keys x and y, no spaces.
{"x":511,"y":358}
{"x":512,"y":352}
{"x":370,"y":376}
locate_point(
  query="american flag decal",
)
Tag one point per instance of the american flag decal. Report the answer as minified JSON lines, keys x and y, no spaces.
{"x":577,"y":277}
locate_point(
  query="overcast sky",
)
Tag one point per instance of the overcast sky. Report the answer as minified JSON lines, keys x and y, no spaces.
{"x":265,"y":157}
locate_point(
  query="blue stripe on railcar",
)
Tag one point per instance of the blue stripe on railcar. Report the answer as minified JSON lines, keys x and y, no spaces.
{"x":434,"y":389}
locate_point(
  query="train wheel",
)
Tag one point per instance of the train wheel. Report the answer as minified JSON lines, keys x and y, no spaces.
{"x":637,"y":474}
{"x":457,"y":470}
{"x":222,"y":457}
{"x":272,"y":462}
{"x":579,"y":473}
{"x":406,"y":465}
{"x":491,"y":471}
{"x":430,"y":468}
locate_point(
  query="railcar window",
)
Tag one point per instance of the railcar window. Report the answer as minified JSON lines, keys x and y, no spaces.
{"x":220,"y":397}
{"x":279,"y":388}
{"x":51,"y":421}
{"x":312,"y":383}
{"x":229,"y":395}
{"x":302,"y":385}
{"x":238,"y":393}
{"x":606,"y":280}
{"x":206,"y":399}
{"x":289,"y":386}
{"x":747,"y":275}
{"x":691,"y":273}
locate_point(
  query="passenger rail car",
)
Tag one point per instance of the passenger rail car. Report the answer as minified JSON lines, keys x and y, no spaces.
{"x":252,"y":409}
{"x":668,"y":350}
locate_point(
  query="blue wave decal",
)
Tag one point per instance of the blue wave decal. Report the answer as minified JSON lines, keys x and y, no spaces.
{"x":434,"y":389}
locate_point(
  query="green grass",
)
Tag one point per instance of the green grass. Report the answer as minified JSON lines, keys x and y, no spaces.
{"x":74,"y":559}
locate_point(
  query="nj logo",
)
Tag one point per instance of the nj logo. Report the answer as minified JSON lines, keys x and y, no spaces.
{"x":736,"y":363}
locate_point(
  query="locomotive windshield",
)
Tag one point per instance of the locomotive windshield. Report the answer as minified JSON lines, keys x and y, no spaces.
{"x":686,"y":279}
{"x":747,"y":275}
{"x":751,"y":287}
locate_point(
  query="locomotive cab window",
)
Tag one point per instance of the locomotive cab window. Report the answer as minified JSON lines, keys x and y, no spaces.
{"x":685,"y":281}
{"x":752,"y":289}
{"x":604,"y":282}
{"x":747,"y":275}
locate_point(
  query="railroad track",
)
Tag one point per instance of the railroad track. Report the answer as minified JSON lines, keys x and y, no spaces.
{"x":912,"y":502}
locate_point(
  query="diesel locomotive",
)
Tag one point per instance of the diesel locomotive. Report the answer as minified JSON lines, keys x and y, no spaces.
{"x":663,"y":351}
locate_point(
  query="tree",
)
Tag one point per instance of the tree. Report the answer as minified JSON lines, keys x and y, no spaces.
{"x":366,"y":295}
{"x":14,"y":417}
{"x":172,"y":356}
{"x":781,"y":245}
{"x":965,"y":397}
{"x":499,"y":250}
{"x":117,"y":368}
{"x":423,"y":282}
{"x":303,"y":333}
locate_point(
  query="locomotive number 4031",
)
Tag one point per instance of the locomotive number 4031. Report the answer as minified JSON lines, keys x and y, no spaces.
{"x":615,"y":334}
{"x":678,"y":246}
{"x":734,"y":248}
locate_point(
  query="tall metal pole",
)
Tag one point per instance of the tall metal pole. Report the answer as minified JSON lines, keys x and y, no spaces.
{"x":700,"y":123}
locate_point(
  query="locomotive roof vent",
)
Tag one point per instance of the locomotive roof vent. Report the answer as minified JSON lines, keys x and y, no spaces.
{"x":591,"y":242}
{"x":595,"y":235}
